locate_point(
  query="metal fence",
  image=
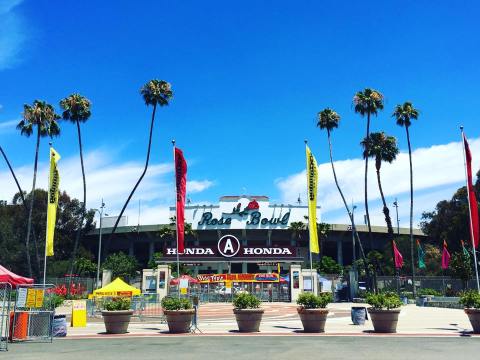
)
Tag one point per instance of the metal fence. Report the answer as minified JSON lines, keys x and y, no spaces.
{"x":33,"y":313}
{"x":78,"y":286}
{"x":443,"y":284}
{"x":5,"y":304}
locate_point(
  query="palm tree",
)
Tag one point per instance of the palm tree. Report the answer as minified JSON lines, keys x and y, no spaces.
{"x":328,"y":119}
{"x":404,"y":114}
{"x":155,"y":92}
{"x":368,"y":102}
{"x":42,"y":116}
{"x":297,"y":227}
{"x":76,"y":109}
{"x":381,"y":148}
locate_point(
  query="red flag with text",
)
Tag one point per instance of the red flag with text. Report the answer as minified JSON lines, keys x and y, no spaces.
{"x":398,"y":256}
{"x":474,"y":224}
{"x":181,"y":186}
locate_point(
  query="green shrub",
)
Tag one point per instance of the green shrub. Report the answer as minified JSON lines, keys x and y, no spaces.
{"x":312,"y":301}
{"x":56,"y":300}
{"x":173,"y":303}
{"x":387,"y":300}
{"x":246,"y":301}
{"x":470,"y":299}
{"x":407,"y":294}
{"x":427,"y":291}
{"x":116,"y":304}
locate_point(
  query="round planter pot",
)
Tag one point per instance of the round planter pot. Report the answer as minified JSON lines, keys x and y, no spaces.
{"x":474,"y":317}
{"x":384,"y":321}
{"x":179,"y":321}
{"x":116,"y":322}
{"x":248,"y":320}
{"x":313,"y":320}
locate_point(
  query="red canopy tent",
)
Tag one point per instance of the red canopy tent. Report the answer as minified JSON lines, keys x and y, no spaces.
{"x":6,"y":276}
{"x":190,"y":279}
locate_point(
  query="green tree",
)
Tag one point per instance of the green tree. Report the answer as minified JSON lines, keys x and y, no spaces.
{"x":152,"y":263}
{"x":404,"y":114}
{"x":121,"y":265}
{"x":327,"y":265}
{"x":297,"y":228}
{"x":76,"y":109}
{"x":155,"y":93}
{"x":367,"y":103}
{"x":461,"y":268}
{"x":85,"y":267}
{"x":41,"y":116}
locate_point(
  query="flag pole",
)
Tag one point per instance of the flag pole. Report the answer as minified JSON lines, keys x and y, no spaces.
{"x":310,"y":242}
{"x":45,"y":257}
{"x":470,"y":210}
{"x":176,"y":228}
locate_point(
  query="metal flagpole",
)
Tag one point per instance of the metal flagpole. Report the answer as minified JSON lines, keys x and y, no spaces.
{"x":45,"y":258}
{"x":470,"y":210}
{"x":309,"y":239}
{"x":176,"y":219}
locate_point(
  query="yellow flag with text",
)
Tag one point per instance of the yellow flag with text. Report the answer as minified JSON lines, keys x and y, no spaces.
{"x":312,"y":181}
{"x":54,"y":183}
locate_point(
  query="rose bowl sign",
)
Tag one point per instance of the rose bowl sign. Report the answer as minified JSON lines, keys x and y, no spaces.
{"x":229,"y":246}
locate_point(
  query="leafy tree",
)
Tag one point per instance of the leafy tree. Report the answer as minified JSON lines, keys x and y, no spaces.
{"x":42,"y":116}
{"x":297,"y":227}
{"x":155,"y":92}
{"x":85,"y":266}
{"x":121,"y":265}
{"x":461,"y":267}
{"x":76,"y":109}
{"x":404,"y":114}
{"x":367,"y":103}
{"x":327,"y":265}
{"x":152,"y":263}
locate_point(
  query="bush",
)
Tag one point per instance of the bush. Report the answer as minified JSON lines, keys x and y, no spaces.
{"x":116,"y":304}
{"x":470,"y":299}
{"x":427,"y":291}
{"x":246,"y":301}
{"x":381,"y":301}
{"x":312,"y":301}
{"x":56,"y":300}
{"x":172,"y":303}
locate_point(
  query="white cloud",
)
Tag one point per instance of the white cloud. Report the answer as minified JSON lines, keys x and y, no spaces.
{"x":110,"y":181}
{"x":12,"y":34}
{"x":438,"y":170}
{"x":8,"y":126}
{"x":196,"y":186}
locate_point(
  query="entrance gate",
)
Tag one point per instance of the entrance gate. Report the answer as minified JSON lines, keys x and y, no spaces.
{"x":5,"y":303}
{"x":33,"y":313}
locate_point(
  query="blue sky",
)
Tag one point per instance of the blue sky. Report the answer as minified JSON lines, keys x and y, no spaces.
{"x":248,"y":79}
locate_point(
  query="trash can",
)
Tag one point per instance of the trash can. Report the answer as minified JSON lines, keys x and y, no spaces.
{"x":359,"y":315}
{"x":59,"y":326}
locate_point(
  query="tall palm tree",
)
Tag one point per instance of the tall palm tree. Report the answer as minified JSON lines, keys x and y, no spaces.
{"x":76,"y":109}
{"x":404,"y":114}
{"x":368,"y":102}
{"x":297,"y":227}
{"x":382,"y":148}
{"x":42,"y":116}
{"x":328,"y":119}
{"x":155,"y":93}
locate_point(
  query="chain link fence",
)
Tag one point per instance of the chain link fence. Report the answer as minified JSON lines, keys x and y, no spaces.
{"x":442,"y":284}
{"x":5,"y":305}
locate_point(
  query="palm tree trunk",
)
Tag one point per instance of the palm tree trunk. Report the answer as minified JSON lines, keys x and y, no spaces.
{"x":366,"y":185}
{"x":345,"y":204}
{"x":143,"y":173}
{"x":412,"y":259}
{"x":80,"y":227}
{"x":30,"y":210}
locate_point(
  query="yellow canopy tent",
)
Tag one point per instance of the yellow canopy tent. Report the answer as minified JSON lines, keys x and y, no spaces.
{"x":117,"y":287}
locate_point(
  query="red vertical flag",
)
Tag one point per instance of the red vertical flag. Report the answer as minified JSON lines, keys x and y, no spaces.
{"x":445,"y":256}
{"x":398,"y":256}
{"x":474,"y":224}
{"x":181,"y":186}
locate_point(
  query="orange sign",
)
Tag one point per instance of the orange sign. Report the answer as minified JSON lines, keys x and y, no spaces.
{"x":253,"y":278}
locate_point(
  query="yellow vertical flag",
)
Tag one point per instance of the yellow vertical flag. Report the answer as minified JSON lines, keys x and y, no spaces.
{"x":54,"y":183}
{"x":312,"y":180}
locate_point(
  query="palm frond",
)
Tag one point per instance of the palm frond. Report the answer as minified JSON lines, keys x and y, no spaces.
{"x":157,"y":92}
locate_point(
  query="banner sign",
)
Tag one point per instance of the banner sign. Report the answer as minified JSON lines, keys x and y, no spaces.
{"x":312,"y":181}
{"x":253,"y":278}
{"x":53,"y":191}
{"x":181,"y":184}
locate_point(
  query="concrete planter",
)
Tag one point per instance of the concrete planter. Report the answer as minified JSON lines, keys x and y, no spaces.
{"x":474,"y":317}
{"x":116,"y":322}
{"x":179,"y":321}
{"x":384,"y":321}
{"x":313,"y":320}
{"x":248,"y":320}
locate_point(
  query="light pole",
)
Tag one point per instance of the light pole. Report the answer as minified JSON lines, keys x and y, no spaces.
{"x":100,"y":212}
{"x":395,"y":203}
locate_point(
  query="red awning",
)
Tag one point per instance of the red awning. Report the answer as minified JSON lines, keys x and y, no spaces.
{"x":6,"y":276}
{"x":190,"y":279}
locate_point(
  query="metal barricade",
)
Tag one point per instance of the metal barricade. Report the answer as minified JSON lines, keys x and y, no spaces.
{"x":33,"y":313}
{"x":5,"y":303}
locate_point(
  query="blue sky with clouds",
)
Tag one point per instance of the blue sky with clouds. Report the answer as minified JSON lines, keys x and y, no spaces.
{"x":248,"y":79}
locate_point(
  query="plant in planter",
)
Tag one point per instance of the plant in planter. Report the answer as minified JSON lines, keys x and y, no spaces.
{"x":384,"y":311}
{"x":247,"y":312}
{"x":179,"y":313}
{"x":116,"y":315}
{"x":312,"y":311}
{"x":471,"y":301}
